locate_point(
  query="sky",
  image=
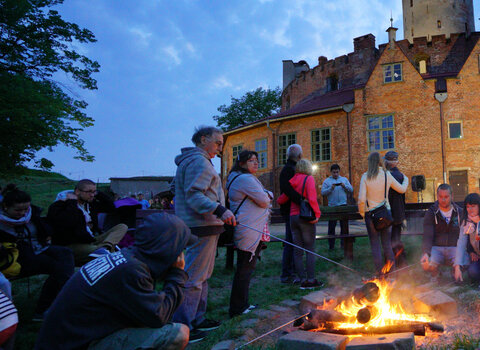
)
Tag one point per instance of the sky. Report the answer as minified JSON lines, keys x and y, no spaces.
{"x":166,"y":66}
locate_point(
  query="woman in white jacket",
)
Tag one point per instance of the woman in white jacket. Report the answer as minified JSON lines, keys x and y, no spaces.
{"x":251,"y":203}
{"x":371,"y":196}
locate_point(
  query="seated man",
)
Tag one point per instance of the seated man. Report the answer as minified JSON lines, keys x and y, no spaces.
{"x":75,"y":222}
{"x":441,"y":227}
{"x":111,"y":302}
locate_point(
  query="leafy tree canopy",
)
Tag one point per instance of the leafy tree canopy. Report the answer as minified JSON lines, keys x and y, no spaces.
{"x":252,"y":106}
{"x":35,"y":110}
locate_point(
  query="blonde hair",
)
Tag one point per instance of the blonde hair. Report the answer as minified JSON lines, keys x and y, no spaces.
{"x":304,"y":166}
{"x":374,"y":161}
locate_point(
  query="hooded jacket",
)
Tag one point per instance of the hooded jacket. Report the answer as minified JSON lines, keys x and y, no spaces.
{"x":117,"y":291}
{"x":199,"y":197}
{"x":436,"y":231}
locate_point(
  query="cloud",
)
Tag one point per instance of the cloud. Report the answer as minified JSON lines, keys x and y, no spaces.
{"x":142,"y":35}
{"x":172,"y":53}
{"x":221,"y":83}
{"x":189,"y":47}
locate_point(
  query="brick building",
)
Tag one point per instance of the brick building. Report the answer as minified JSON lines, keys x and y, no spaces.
{"x":419,"y":98}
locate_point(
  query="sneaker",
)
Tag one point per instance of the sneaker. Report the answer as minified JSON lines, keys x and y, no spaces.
{"x":311,"y":284}
{"x":297,"y":281}
{"x":207,"y":325}
{"x":99,"y":252}
{"x":196,"y":335}
{"x":249,"y":309}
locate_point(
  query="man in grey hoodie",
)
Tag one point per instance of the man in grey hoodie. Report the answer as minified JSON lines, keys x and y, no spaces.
{"x":200,"y":202}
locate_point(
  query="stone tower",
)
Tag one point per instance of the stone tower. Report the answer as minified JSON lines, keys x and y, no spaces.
{"x":436,"y":17}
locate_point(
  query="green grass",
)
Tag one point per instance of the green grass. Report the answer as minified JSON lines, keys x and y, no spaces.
{"x":43,"y":186}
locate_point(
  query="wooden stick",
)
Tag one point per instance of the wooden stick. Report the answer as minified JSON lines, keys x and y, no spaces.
{"x":416,"y":328}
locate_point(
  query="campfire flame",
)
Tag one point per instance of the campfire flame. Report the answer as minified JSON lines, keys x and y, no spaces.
{"x":383,"y":312}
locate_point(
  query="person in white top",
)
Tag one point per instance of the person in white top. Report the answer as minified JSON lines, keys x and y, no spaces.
{"x":372,"y":196}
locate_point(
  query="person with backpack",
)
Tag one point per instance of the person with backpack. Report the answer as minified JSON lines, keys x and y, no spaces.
{"x":303,"y":232}
{"x":250,"y":202}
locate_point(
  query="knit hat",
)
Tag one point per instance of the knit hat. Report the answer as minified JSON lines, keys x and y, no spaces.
{"x":391,"y":155}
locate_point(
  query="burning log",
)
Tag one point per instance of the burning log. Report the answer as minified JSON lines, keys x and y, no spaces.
{"x":366,"y":314}
{"x":416,"y":328}
{"x":367,"y":294}
{"x":318,"y":319}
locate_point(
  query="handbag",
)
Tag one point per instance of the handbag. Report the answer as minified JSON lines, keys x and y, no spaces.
{"x":8,"y":263}
{"x":382,"y":216}
{"x":226,"y":238}
{"x":306,"y":211}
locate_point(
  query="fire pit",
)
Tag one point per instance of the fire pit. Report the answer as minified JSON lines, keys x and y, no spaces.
{"x":373,"y":314}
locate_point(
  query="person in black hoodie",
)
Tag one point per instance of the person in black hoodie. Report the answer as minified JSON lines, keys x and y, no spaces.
{"x":441,"y":228}
{"x":294,"y":154}
{"x":111,"y":302}
{"x":21,"y":224}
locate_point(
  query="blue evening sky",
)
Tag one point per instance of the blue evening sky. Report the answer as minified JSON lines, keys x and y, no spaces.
{"x":167,"y":65}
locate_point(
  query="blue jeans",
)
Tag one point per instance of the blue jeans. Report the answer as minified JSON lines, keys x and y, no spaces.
{"x":332,"y":224}
{"x":199,"y":263}
{"x":442,"y":255}
{"x":303,"y":234}
{"x":474,"y":271}
{"x":288,"y":269}
{"x":375,"y":238}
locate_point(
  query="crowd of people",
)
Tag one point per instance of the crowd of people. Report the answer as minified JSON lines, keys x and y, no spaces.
{"x":119,"y":285}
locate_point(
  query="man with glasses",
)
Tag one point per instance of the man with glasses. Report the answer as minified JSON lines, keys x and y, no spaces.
{"x":75,"y":222}
{"x":200,"y":202}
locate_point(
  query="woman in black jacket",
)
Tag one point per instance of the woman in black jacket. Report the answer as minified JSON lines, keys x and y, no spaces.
{"x":21,"y":224}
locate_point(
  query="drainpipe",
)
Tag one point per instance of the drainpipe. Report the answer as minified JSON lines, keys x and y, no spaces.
{"x":348,"y":107}
{"x":441,"y":97}
{"x":274,"y":168}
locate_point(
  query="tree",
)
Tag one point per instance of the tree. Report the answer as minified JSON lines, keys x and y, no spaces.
{"x":252,"y":106}
{"x":35,"y":110}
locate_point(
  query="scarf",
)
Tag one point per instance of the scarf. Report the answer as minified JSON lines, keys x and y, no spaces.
{"x":472,"y":230}
{"x":16,"y":222}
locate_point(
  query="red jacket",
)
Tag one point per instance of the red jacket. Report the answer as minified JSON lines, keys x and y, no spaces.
{"x":310,"y":193}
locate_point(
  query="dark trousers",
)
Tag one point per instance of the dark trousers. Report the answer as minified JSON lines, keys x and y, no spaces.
{"x":397,"y":246}
{"x":474,"y":271}
{"x":288,"y":269}
{"x":375,"y":238}
{"x":241,"y":281}
{"x":56,"y":261}
{"x":304,"y":236}
{"x":332,"y":224}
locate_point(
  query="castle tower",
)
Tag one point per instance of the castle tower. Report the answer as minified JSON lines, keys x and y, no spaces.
{"x":436,"y":17}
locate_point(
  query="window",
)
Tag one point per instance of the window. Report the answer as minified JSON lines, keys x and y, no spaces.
{"x":455,"y":130}
{"x":439,"y":24}
{"x":380,"y":133}
{"x":236,"y":151}
{"x":392,"y":72}
{"x":283,"y":142}
{"x":411,"y":3}
{"x":332,"y":83}
{"x":321,"y":147}
{"x":261,"y":149}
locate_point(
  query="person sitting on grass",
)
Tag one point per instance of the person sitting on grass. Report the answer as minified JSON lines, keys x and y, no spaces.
{"x":469,"y":240}
{"x":25,"y":234}
{"x":75,"y":222}
{"x":112,"y":303}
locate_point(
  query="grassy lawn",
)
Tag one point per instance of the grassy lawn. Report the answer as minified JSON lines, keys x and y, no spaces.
{"x":266,"y":289}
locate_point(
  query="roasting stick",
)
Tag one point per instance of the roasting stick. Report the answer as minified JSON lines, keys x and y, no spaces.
{"x":270,"y":332}
{"x":305,"y":250}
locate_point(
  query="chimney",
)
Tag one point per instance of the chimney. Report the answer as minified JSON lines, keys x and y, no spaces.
{"x":364,"y":42}
{"x":392,"y":34}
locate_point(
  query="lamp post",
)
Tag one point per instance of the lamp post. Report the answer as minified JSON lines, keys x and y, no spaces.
{"x":348,"y":107}
{"x":441,"y":97}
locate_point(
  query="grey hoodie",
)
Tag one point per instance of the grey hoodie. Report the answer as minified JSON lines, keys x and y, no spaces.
{"x":199,"y":197}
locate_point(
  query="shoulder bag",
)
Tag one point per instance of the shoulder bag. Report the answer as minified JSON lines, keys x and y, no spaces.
{"x":226,"y":238}
{"x":382,"y":216}
{"x":306,"y":211}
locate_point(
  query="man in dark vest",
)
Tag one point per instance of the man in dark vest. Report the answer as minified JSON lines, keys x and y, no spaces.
{"x":397,"y":205}
{"x":294,"y":154}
